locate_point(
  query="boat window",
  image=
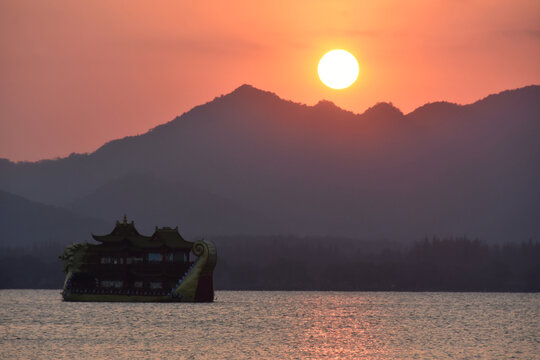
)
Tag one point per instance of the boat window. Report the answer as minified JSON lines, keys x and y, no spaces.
{"x":155,"y":285}
{"x":180,"y":257}
{"x":155,"y":257}
{"x":112,"y":260}
{"x":169,"y":257}
{"x":138,"y":284}
{"x":112,"y":283}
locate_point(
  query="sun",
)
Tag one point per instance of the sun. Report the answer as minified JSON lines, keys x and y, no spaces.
{"x":338,"y":69}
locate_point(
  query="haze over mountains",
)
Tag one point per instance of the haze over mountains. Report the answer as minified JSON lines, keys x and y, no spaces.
{"x":252,"y":163}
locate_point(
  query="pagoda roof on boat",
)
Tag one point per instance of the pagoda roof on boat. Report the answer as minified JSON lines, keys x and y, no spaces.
{"x":122,"y":231}
{"x":170,"y":237}
{"x":125,"y":235}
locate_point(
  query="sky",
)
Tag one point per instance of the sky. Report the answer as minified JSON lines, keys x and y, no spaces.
{"x":76,"y":74}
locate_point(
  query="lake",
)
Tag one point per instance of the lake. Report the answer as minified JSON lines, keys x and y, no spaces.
{"x":36,"y":324}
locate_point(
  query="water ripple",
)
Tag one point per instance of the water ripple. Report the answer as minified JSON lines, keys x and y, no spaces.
{"x":36,"y":324}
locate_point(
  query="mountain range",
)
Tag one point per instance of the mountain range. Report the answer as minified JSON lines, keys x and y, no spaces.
{"x":250,"y":162}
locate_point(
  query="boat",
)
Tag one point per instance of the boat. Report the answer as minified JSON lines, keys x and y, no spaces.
{"x":126,"y":266}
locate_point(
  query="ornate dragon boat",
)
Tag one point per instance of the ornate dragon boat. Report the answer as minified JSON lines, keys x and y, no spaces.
{"x":127,"y":266}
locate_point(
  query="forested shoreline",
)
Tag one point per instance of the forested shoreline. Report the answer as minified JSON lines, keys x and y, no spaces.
{"x":327,"y":263}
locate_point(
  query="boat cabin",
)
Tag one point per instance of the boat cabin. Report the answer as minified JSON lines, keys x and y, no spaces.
{"x":126,"y":262}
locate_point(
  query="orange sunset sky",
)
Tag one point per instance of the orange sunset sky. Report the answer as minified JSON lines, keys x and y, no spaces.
{"x":75,"y":74}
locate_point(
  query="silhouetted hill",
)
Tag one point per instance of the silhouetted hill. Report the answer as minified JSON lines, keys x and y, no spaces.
{"x":435,"y":110}
{"x":155,"y":202}
{"x":24,"y":223}
{"x":383,"y":111}
{"x":443,"y":169}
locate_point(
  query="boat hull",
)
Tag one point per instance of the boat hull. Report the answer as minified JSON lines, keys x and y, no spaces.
{"x":195,"y":285}
{"x":117,"y":298}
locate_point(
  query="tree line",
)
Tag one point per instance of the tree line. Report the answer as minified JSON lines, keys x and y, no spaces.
{"x":328,"y":263}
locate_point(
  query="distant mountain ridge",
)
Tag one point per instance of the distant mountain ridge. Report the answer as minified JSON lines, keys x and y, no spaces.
{"x":273,"y":166}
{"x":25,"y":222}
{"x":162,"y":203}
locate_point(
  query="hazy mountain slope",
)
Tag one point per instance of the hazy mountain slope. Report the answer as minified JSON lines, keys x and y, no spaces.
{"x":443,"y":169}
{"x":24,"y":222}
{"x":156,"y":202}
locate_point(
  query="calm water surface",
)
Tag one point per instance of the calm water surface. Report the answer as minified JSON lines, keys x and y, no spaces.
{"x":36,"y":324}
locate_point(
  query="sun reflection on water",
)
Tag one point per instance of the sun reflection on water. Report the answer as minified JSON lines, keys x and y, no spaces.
{"x":273,"y":325}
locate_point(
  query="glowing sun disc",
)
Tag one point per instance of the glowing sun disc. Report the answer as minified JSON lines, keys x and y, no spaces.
{"x":338,"y":69}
